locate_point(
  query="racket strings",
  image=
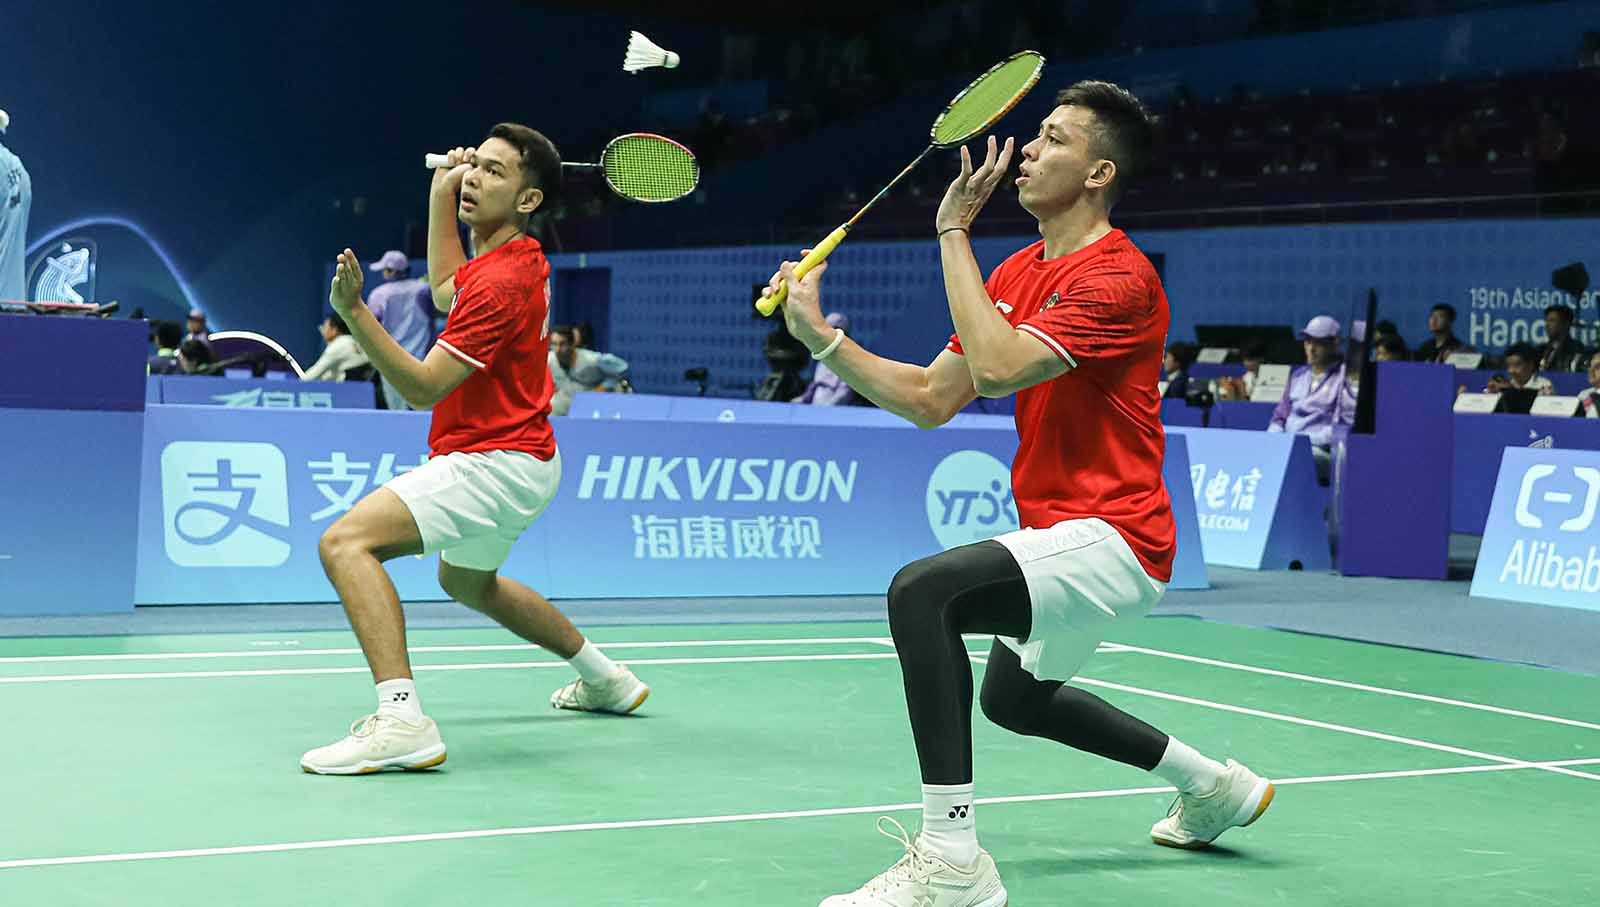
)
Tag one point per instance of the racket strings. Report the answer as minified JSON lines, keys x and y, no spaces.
{"x":650,"y":169}
{"x":987,"y":99}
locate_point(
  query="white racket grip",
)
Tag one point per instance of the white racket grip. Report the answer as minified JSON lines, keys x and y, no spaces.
{"x":436,"y":161}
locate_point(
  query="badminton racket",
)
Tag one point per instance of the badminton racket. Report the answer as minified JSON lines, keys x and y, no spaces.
{"x":638,"y":166}
{"x":973,"y":110}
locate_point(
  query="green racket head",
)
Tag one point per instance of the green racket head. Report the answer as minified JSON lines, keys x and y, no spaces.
{"x":987,"y":99}
{"x":649,"y":168}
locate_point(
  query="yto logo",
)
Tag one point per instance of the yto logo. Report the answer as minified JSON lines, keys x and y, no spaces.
{"x":1540,"y":474}
{"x":969,"y":499}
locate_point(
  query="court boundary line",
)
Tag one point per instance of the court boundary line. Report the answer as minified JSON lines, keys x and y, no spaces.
{"x":1104,"y":648}
{"x":723,"y":819}
{"x":1353,"y":685}
{"x":1309,"y":722}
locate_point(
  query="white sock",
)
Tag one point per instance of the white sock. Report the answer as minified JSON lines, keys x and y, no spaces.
{"x":1186,"y":769}
{"x":949,"y":827}
{"x":398,"y":697}
{"x":593,"y":665}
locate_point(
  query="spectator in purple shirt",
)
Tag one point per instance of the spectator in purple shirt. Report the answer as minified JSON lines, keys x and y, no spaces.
{"x":1318,"y":395}
{"x":402,"y":305}
{"x":826,"y":388}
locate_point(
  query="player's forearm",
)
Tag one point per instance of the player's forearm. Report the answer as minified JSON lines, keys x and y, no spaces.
{"x":445,"y":254}
{"x":391,"y":360}
{"x":899,"y":387}
{"x":987,"y":339}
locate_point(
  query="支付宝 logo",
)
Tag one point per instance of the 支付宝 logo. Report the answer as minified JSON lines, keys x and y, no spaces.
{"x":224,"y":504}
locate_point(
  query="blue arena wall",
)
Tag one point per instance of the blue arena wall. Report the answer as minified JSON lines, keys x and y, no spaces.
{"x":673,"y":310}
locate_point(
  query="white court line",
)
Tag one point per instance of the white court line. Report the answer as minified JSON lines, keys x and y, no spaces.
{"x":714,"y":820}
{"x":496,"y":647}
{"x":1308,"y":722}
{"x":1365,"y":688}
{"x":485,"y":666}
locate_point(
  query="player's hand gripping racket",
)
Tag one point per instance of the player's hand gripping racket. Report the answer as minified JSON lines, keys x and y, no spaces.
{"x":638,"y":166}
{"x":973,"y":110}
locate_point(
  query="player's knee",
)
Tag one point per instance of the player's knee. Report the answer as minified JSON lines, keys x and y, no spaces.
{"x":917,"y":592}
{"x":905,"y":591}
{"x":338,"y":541}
{"x":1004,"y":708}
{"x":470,"y":588}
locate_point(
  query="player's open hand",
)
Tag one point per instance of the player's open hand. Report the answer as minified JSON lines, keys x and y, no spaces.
{"x":972,"y":188}
{"x":802,"y":309}
{"x":345,"y":293}
{"x":458,"y":161}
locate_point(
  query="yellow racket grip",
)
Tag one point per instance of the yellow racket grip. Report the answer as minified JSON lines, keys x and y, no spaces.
{"x":769,"y":304}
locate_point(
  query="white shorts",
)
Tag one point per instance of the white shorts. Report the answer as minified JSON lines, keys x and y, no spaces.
{"x":471,"y":507}
{"x":1082,"y":580}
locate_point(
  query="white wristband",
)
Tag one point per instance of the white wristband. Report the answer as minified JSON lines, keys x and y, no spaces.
{"x":838,"y":338}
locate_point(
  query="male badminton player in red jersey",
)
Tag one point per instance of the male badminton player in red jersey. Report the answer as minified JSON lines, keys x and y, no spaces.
{"x":1074,"y":325}
{"x":493,"y":466}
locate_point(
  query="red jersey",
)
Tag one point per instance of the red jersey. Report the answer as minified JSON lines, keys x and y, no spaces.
{"x":1090,"y":441}
{"x":500,"y":325}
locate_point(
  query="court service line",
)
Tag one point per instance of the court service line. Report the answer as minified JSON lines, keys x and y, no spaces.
{"x":1310,"y":722}
{"x":1350,"y":685}
{"x":484,"y":666}
{"x":136,"y":856}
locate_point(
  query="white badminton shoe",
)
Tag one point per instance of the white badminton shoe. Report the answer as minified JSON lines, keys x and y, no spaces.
{"x":1241,"y":796}
{"x":619,"y":696}
{"x":923,"y":879}
{"x":377,"y":742}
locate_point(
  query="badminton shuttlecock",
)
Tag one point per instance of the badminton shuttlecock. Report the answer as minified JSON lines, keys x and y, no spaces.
{"x":643,"y":54}
{"x":5,"y":121}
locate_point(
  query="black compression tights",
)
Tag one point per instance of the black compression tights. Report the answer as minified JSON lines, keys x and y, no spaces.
{"x":980,"y":589}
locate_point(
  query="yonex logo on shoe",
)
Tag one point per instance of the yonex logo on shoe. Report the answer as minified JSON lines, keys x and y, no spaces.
{"x":960,"y":812}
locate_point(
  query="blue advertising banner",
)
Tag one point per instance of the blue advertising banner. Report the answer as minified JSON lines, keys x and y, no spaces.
{"x":233,"y":504}
{"x":254,"y":393}
{"x":1257,"y":499}
{"x":232,"y":501}
{"x":1542,"y":541}
{"x":1480,"y":438}
{"x":70,"y":507}
{"x":1189,"y":566}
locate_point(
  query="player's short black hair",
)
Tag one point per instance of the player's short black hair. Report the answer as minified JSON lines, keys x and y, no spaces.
{"x":338,"y":323}
{"x":1562,"y":309}
{"x":538,"y":157}
{"x":1524,"y":351}
{"x":1127,"y":133}
{"x":1446,"y":308}
{"x":168,"y":334}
